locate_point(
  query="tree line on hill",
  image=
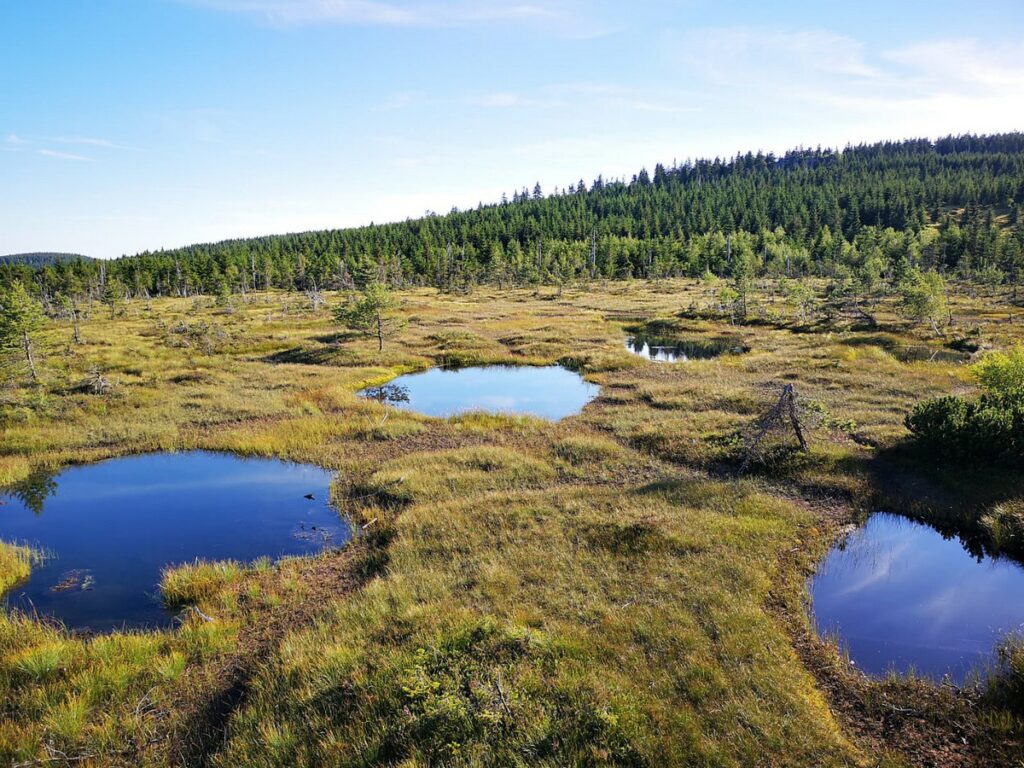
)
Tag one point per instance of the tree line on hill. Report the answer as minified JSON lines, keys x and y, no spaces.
{"x":953,"y":206}
{"x":40,"y":259}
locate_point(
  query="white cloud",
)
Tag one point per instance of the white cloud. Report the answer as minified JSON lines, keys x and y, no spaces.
{"x":963,"y":63}
{"x":14,"y":139}
{"x":732,"y":55}
{"x":65,"y":155}
{"x":835,"y":82}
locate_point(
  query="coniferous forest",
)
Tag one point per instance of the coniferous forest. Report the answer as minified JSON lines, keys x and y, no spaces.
{"x":954,"y":206}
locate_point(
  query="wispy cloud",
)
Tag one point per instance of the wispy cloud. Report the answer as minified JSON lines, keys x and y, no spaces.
{"x":738,"y":56}
{"x":86,"y":141}
{"x":921,"y":88}
{"x":564,"y":17}
{"x":65,"y":156}
{"x":401,"y":100}
{"x":14,"y":139}
{"x":501,"y":99}
{"x":313,"y":11}
{"x":963,"y":63}
{"x":591,"y":95}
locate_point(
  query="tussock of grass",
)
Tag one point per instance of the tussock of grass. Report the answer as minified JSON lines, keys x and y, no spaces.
{"x":1006,"y":686}
{"x":1005,"y":526}
{"x":15,"y":564}
{"x":586,"y":450}
{"x":459,"y":473}
{"x":198,"y":582}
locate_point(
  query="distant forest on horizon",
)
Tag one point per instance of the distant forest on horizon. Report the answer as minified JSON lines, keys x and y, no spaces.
{"x":40,"y":258}
{"x":954,"y":205}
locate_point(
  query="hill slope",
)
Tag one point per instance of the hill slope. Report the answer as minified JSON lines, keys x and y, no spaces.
{"x":950,"y":204}
{"x":41,"y":259}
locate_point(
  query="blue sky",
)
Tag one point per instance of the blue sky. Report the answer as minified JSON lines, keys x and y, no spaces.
{"x":134,"y":124}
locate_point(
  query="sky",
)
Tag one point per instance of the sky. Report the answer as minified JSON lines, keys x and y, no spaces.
{"x":128,"y":125}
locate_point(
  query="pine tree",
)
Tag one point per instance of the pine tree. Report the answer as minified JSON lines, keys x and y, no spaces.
{"x":370,"y":313}
{"x":21,"y":317}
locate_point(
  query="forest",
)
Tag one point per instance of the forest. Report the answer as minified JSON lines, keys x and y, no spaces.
{"x":951,"y":206}
{"x":41,"y":259}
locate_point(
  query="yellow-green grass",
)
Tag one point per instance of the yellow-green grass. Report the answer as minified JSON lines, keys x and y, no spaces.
{"x":196,"y":583}
{"x":544,"y":593}
{"x":580,"y":626}
{"x":15,"y":564}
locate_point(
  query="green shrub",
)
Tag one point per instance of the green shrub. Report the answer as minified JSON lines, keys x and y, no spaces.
{"x":1002,"y":373}
{"x":987,"y":428}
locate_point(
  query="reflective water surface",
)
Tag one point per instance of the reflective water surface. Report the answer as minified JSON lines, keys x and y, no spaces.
{"x":109,"y":528}
{"x":900,"y":596}
{"x":920,"y":353}
{"x":675,"y":351}
{"x":550,"y":392}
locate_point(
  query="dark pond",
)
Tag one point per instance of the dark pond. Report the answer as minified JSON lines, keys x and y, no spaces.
{"x":675,"y":351}
{"x":899,"y":596}
{"x":920,"y":353}
{"x":550,"y":392}
{"x":109,"y":529}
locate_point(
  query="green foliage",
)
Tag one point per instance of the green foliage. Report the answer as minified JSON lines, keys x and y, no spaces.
{"x":371,"y":313}
{"x":197,"y":582}
{"x":1005,"y":527}
{"x":21,"y":317}
{"x":923,"y":297}
{"x":1002,"y":373}
{"x":801,"y":297}
{"x":113,"y":294}
{"x":989,"y":427}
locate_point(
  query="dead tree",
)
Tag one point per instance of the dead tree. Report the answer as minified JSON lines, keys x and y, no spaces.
{"x":315,"y":297}
{"x":781,"y":417}
{"x":97,"y":383}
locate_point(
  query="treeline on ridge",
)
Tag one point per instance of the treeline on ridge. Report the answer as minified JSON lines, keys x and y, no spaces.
{"x":953,"y":205}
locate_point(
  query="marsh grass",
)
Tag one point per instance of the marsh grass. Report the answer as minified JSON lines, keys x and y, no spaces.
{"x":15,"y":564}
{"x":199,"y":582}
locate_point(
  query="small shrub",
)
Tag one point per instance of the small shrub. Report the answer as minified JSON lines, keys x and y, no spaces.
{"x":987,"y":428}
{"x":1002,"y":373}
